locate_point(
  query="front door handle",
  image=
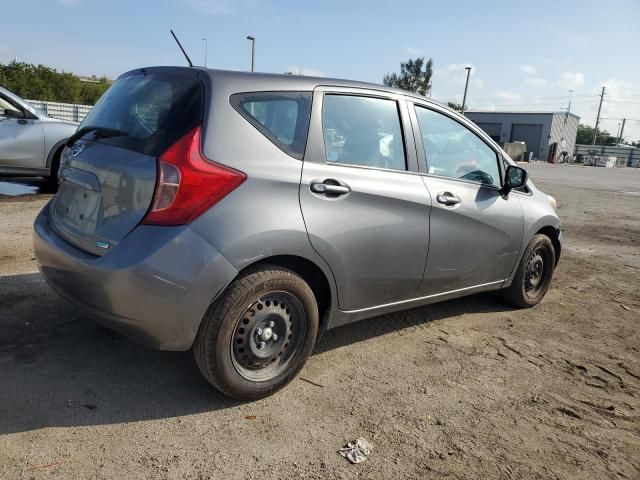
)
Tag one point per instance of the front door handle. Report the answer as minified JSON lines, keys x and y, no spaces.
{"x":448,"y":199}
{"x":329,"y":187}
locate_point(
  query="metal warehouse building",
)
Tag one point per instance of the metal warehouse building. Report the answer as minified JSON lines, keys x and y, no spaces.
{"x":546,"y":134}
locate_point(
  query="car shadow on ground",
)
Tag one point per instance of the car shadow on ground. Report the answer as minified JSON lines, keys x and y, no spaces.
{"x":59,"y":369}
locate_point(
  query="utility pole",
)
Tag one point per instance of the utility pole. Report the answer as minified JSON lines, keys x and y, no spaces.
{"x":595,"y":132}
{"x":624,"y":120}
{"x":466,"y":85}
{"x":205,"y":51}
{"x":253,"y":52}
{"x":566,"y":116}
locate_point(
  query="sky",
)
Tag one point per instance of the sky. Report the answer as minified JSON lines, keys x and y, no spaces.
{"x":525,"y":56}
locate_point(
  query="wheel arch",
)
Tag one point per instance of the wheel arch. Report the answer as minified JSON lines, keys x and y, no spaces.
{"x":55,"y":150}
{"x":312,"y":274}
{"x":554,"y":234}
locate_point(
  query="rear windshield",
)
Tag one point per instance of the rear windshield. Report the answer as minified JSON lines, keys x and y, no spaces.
{"x":154,"y":109}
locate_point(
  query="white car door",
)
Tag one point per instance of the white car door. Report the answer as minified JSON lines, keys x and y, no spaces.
{"x":21,"y":140}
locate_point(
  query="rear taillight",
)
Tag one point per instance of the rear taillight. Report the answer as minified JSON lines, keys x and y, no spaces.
{"x":188,"y":184}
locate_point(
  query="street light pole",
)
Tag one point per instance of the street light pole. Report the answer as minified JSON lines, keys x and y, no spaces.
{"x":253,"y":52}
{"x":466,"y":86}
{"x":205,"y":51}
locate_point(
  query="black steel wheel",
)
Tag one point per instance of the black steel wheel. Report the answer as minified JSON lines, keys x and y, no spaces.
{"x":268,"y":335}
{"x":534,"y":273}
{"x":258,"y":335}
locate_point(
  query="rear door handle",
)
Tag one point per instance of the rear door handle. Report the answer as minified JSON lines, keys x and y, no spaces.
{"x":447,"y":198}
{"x":329,"y":187}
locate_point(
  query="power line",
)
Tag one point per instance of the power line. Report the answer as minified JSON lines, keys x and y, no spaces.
{"x":627,"y":119}
{"x":542,"y":98}
{"x":501,"y":98}
{"x":623,"y":96}
{"x":624,"y":101}
{"x":504,"y":105}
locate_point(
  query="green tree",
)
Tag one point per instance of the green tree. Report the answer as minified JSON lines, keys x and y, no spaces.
{"x":415,"y":76}
{"x":454,"y":106}
{"x":39,"y":82}
{"x":585,"y":136}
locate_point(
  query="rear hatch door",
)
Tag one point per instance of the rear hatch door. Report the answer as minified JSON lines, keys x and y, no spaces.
{"x":108,"y":171}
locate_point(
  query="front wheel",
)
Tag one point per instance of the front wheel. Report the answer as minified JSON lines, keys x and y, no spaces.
{"x":52,"y":179}
{"x":534,"y":274}
{"x":258,"y":335}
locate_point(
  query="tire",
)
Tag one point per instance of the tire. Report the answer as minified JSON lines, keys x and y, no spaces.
{"x":259,"y":334}
{"x":52,"y":179}
{"x":534,"y":274}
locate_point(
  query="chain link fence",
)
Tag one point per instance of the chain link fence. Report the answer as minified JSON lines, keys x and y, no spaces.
{"x":62,"y":111}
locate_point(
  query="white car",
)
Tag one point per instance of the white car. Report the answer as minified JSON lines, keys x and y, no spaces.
{"x":30,"y":140}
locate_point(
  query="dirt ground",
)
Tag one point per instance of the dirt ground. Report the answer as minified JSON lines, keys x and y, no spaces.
{"x":465,"y":389}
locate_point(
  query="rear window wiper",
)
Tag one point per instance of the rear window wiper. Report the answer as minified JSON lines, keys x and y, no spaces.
{"x":98,"y":132}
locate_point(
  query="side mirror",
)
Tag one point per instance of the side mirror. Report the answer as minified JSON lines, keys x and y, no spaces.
{"x":515,"y":177}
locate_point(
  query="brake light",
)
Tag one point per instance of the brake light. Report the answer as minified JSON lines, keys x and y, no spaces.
{"x":188,"y":184}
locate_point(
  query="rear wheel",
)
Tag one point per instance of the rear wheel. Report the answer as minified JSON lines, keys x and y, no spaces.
{"x":259,"y":334}
{"x":534,"y":274}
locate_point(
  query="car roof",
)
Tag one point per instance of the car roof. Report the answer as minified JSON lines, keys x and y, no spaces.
{"x":274,"y":81}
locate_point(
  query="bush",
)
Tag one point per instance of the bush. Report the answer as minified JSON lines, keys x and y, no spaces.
{"x":39,"y":82}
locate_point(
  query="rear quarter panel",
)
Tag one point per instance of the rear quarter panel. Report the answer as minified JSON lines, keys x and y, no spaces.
{"x":262,"y":217}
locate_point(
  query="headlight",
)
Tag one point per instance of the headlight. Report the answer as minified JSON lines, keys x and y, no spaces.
{"x":553,"y":203}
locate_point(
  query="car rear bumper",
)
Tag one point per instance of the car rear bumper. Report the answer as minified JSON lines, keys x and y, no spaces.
{"x":154,"y":287}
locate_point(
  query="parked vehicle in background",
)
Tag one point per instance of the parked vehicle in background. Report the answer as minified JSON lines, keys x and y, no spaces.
{"x":242,"y":215}
{"x":30,"y":141}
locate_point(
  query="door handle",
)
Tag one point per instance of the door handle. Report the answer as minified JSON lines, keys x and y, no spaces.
{"x":331,"y":188}
{"x":448,"y":199}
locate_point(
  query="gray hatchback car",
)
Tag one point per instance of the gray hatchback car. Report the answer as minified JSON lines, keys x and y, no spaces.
{"x":243,"y":214}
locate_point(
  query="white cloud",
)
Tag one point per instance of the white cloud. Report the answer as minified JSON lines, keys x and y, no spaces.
{"x":571,"y":80}
{"x":454,"y":69}
{"x":451,"y":78}
{"x":414,"y":52}
{"x":507,"y":95}
{"x":528,"y":69}
{"x":535,"y":81}
{"x":478,"y":83}
{"x":616,"y":106}
{"x":211,"y":7}
{"x":531,"y":76}
{"x":455,"y":72}
{"x":307,"y":72}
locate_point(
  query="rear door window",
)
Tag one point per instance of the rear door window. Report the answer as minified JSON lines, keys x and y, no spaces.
{"x":154,"y":109}
{"x":282,"y":117}
{"x":363,"y":131}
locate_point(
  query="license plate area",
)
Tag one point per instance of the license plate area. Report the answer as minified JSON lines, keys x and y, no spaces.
{"x":78,"y":207}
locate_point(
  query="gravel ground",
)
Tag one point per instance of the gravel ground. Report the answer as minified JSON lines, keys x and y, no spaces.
{"x":464,"y":389}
